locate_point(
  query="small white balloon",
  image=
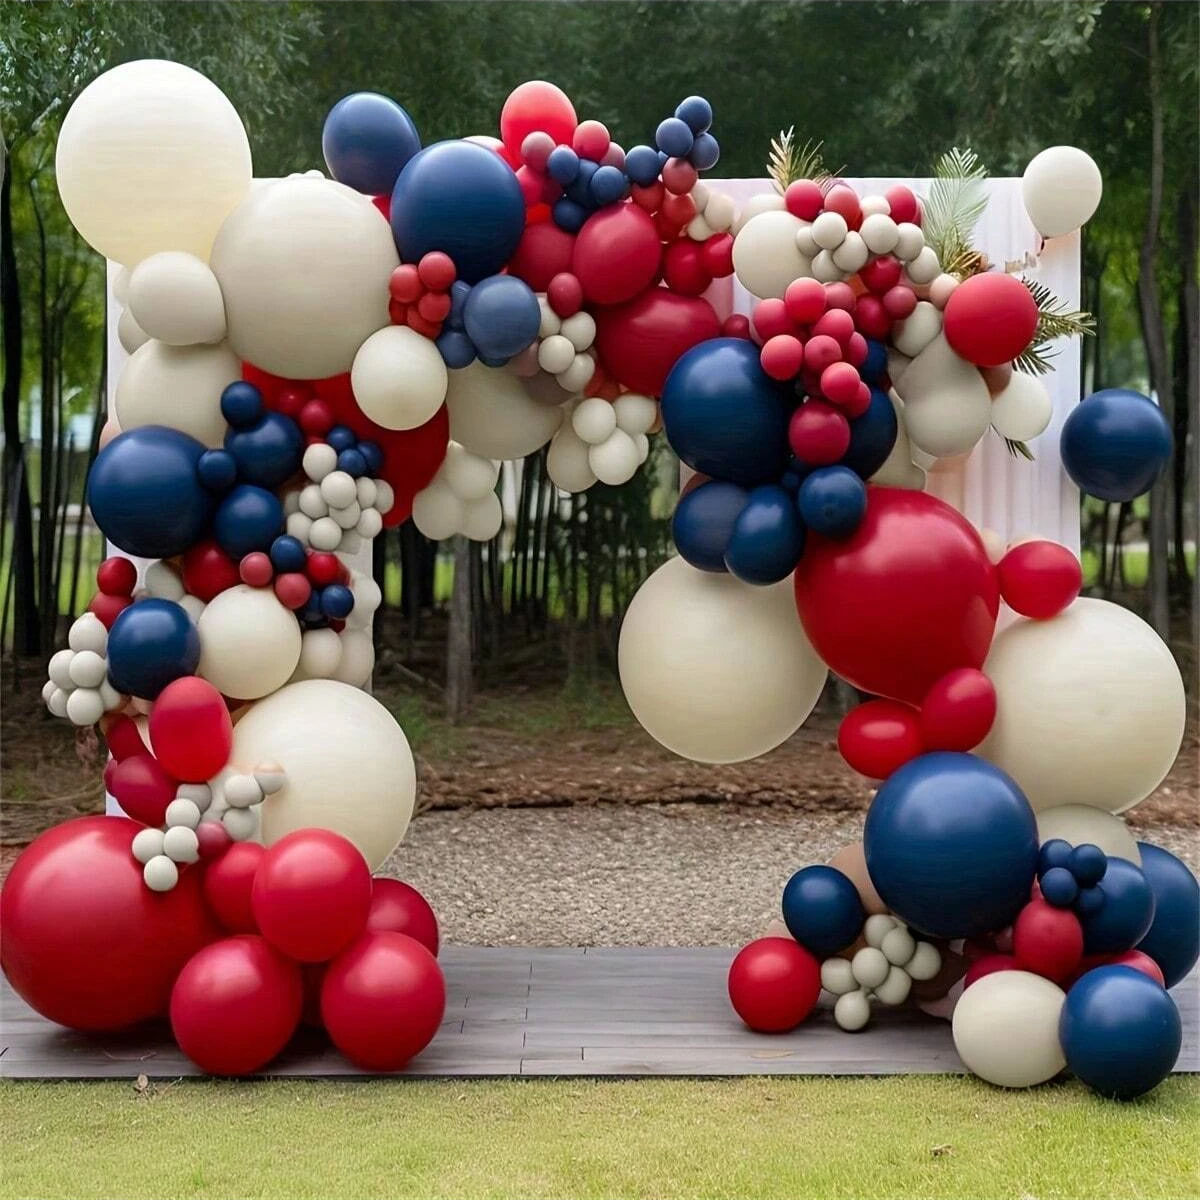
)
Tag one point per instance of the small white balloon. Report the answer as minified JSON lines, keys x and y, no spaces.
{"x":578,"y":375}
{"x":941,"y":289}
{"x":1061,"y":189}
{"x":110,"y":697}
{"x":1023,"y":409}
{"x":580,"y":330}
{"x":1081,"y":824}
{"x":556,"y":354}
{"x":877,"y":927}
{"x":825,"y":269}
{"x":567,"y":461}
{"x":163,"y":582}
{"x":242,"y":791}
{"x":852,"y":254}
{"x":181,"y":845}
{"x":346,"y":518}
{"x":59,"y":669}
{"x":870,"y":967}
{"x":947,"y":407}
{"x":805,"y":242}
{"x":175,"y":297}
{"x":469,"y":476}
{"x":635,"y":413}
{"x":365,"y":491}
{"x":550,"y":323}
{"x":898,"y":946}
{"x":925,"y":268}
{"x":160,"y":874}
{"x":765,"y":256}
{"x":200,"y":794}
{"x":338,"y":489}
{"x":829,"y":230}
{"x":483,"y":518}
{"x":370,"y":525}
{"x":299,"y":526}
{"x":615,"y":460}
{"x":320,"y":459}
{"x":57,"y":702}
{"x":852,"y":1011}
{"x":895,"y":988}
{"x":437,"y":512}
{"x":719,"y":211}
{"x":270,"y":777}
{"x":594,"y":420}
{"x":147,"y":844}
{"x":325,"y":534}
{"x":357,"y":658}
{"x":84,"y":706}
{"x":910,"y":241}
{"x":88,"y":633}
{"x":698,"y":229}
{"x":399,"y":378}
{"x":182,"y":811}
{"x":837,"y":976}
{"x":240,"y":823}
{"x":1006,"y":1029}
{"x":87,"y":669}
{"x":879,"y":232}
{"x":320,"y":653}
{"x":642,"y":442}
{"x":925,"y":963}
{"x":129,"y":333}
{"x":311,"y":502}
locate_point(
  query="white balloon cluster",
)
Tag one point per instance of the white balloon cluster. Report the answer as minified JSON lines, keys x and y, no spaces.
{"x":715,"y":213}
{"x":461,"y":498}
{"x":562,"y":349}
{"x":602,"y":441}
{"x":78,"y":687}
{"x":334,"y":511}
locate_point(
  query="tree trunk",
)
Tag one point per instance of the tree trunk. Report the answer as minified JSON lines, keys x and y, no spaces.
{"x":1187,"y":384}
{"x":459,"y":664}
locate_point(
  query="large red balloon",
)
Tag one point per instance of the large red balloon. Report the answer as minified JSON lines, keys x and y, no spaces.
{"x":641,"y":341}
{"x":141,"y":787}
{"x":85,"y":941}
{"x":383,"y":1000}
{"x":617,"y":254}
{"x":228,"y":883}
{"x":402,"y":909}
{"x":207,"y":570}
{"x":543,"y":252}
{"x":909,"y":596}
{"x":190,"y":729}
{"x":879,"y":737}
{"x":235,"y":1005}
{"x":536,"y":106}
{"x":1039,"y":579}
{"x":989,"y":319}
{"x":774,"y":983}
{"x":958,"y":711}
{"x":311,"y":894}
{"x":1048,"y":941}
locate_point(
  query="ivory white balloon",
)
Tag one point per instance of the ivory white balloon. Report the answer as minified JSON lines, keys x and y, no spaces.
{"x":1089,"y":707}
{"x":924,"y":268}
{"x":320,"y":653}
{"x":304,"y":264}
{"x":151,"y":156}
{"x":358,"y":658}
{"x":399,"y":378}
{"x":947,"y":407}
{"x":1023,"y":409}
{"x":852,"y":253}
{"x":578,"y":375}
{"x":1061,"y":189}
{"x":177,"y":386}
{"x":1006,"y":1029}
{"x":910,"y":241}
{"x":715,"y":669}
{"x":763,"y":202}
{"x":765,"y":256}
{"x":129,"y":333}
{"x":719,"y":212}
{"x":615,"y":460}
{"x":635,"y":414}
{"x":347,"y":764}
{"x":594,"y":420}
{"x":437,"y":511}
{"x":916,"y":331}
{"x":879,"y":232}
{"x":829,"y":230}
{"x":469,"y":476}
{"x":175,"y":297}
{"x":1081,"y":824}
{"x":492,"y":414}
{"x":483,"y":518}
{"x":249,"y":643}
{"x":567,"y":461}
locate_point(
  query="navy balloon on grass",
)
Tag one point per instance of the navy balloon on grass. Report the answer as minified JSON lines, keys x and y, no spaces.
{"x":951,"y":845}
{"x":249,"y":518}
{"x":832,"y":501}
{"x":367,"y":140}
{"x":1120,"y":1032}
{"x":1115,"y":444}
{"x":1125,"y":916}
{"x":872,"y":436}
{"x":767,"y":539}
{"x":501,"y":316}
{"x":822,"y":910}
{"x":1174,"y":937}
{"x":703,"y":523}
{"x":151,"y":644}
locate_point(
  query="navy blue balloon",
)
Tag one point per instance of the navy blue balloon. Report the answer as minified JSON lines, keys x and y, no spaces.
{"x":287,"y":555}
{"x":456,"y":348}
{"x":951,"y":845}
{"x":269,"y":451}
{"x":874,"y":366}
{"x":151,"y":643}
{"x":703,"y":523}
{"x":580,"y":189}
{"x":1125,"y":916}
{"x":1120,"y":1032}
{"x":696,"y":113}
{"x":1054,"y":853}
{"x":1089,"y":901}
{"x":822,"y":910}
{"x":641,"y":164}
{"x":1115,"y":444}
{"x":725,"y":416}
{"x":372,"y":454}
{"x":832,"y":501}
{"x":367,"y":140}
{"x":872,"y":436}
{"x":337,"y":601}
{"x":342,"y":437}
{"x":673,"y":138}
{"x":608,"y":185}
{"x":1087,"y":864}
{"x":705,"y":152}
{"x":1174,"y":937}
{"x":352,"y":462}
{"x":146,"y":495}
{"x":249,"y":518}
{"x":463,"y":199}
{"x":1059,"y":887}
{"x":459,"y":291}
{"x":568,"y":215}
{"x":217,"y":470}
{"x":795,"y":474}
{"x":562,"y":165}
{"x":241,"y":404}
{"x":501,"y":316}
{"x":767,"y":539}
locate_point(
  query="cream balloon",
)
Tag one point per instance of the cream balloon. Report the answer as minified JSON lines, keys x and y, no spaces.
{"x":615,"y":460}
{"x":1090,"y":707}
{"x":763,"y":202}
{"x":916,"y":331}
{"x":492,"y":414}
{"x":249,"y":643}
{"x":715,"y":669}
{"x":1005,"y":1029}
{"x":437,"y":511}
{"x":567,"y":461}
{"x":175,"y":297}
{"x":151,"y":156}
{"x":765,"y":256}
{"x":947,"y":407}
{"x":1022,"y":409}
{"x":399,"y":378}
{"x":304,"y":263}
{"x":177,"y":386}
{"x":347,"y":765}
{"x":1061,"y":189}
{"x":1080,"y":824}
{"x":129,"y":333}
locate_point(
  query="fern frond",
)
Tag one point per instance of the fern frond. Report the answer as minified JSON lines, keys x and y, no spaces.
{"x":1019,"y":449}
{"x":951,"y":210}
{"x":1056,"y":319}
{"x":789,"y":162}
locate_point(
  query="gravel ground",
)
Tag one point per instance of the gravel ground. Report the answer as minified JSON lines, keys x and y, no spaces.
{"x":650,"y":874}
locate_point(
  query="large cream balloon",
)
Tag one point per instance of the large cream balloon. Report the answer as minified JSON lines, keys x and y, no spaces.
{"x":1089,"y":707}
{"x":947,"y":407}
{"x":151,"y":156}
{"x":177,"y":386}
{"x":1080,"y":824}
{"x":492,"y":414}
{"x":1006,"y":1029}
{"x":175,"y":297}
{"x":1061,"y":189}
{"x":249,"y":643}
{"x":303,"y":263}
{"x":715,"y":669}
{"x":765,"y":256}
{"x":1022,"y":409}
{"x":346,"y":762}
{"x":399,"y":378}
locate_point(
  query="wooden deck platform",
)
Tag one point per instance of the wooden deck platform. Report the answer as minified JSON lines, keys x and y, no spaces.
{"x":621,"y":1011}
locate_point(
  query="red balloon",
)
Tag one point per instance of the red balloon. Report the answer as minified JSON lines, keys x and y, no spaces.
{"x":213,"y":839}
{"x":774,"y":984}
{"x":142,"y":788}
{"x":383,"y":1000}
{"x":804,"y":199}
{"x":228,"y":882}
{"x":641,"y":341}
{"x":879,"y":737}
{"x":907,"y":597}
{"x":903,"y":204}
{"x":1048,"y":941}
{"x":1136,"y":959}
{"x":190,"y":729}
{"x":1039,"y":579}
{"x":617,"y":254}
{"x":108,"y":608}
{"x":235,"y":1005}
{"x":402,"y":909}
{"x":989,"y":964}
{"x":881,"y":274}
{"x":536,"y":106}
{"x":958,"y":710}
{"x":543,"y":252}
{"x":818,"y":433}
{"x":782,"y":356}
{"x":208,"y":570}
{"x":717,"y":253}
{"x":989,"y":319}
{"x":311,"y":894}
{"x":86,"y":943}
{"x":683,"y":267}
{"x":565,"y":294}
{"x":116,"y":576}
{"x":124,"y":740}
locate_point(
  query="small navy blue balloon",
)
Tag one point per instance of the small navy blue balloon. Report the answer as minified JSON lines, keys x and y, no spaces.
{"x":1088,"y":864}
{"x":568,"y":215}
{"x":1059,"y":887}
{"x":703,"y":523}
{"x":725,"y":416}
{"x":367,"y":140}
{"x":696,"y":113}
{"x":609,"y":184}
{"x":562,"y":165}
{"x":501,"y":316}
{"x":1173,"y":940}
{"x":872,"y":436}
{"x":217,"y":470}
{"x":145,"y":492}
{"x":641,"y":164}
{"x":342,"y":437}
{"x":249,"y":518}
{"x":795,"y":474}
{"x":1115,"y":444}
{"x":352,"y":462}
{"x":832,"y":501}
{"x":705,"y":152}
{"x":459,"y":291}
{"x":951,"y":845}
{"x":456,"y":348}
{"x":311,"y":614}
{"x":1125,"y":916}
{"x":822,"y":910}
{"x":580,"y":189}
{"x":287,"y":555}
{"x":241,"y":404}
{"x":372,"y":454}
{"x":267,"y":452}
{"x":462,"y":199}
{"x":767,"y":539}
{"x":1054,"y":853}
{"x":151,"y":643}
{"x":874,"y":366}
{"x":1089,"y":901}
{"x":1120,"y":1032}
{"x":673,"y":138}
{"x":337,"y":601}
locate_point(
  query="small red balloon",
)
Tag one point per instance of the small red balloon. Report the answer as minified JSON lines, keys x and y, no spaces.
{"x":401,"y":908}
{"x":989,"y":964}
{"x":436,"y":270}
{"x":871,"y":318}
{"x":404,"y":284}
{"x":717,"y":253}
{"x":736,"y":325}
{"x":774,"y":983}
{"x":840,"y":295}
{"x":293,"y":590}
{"x":107,"y":608}
{"x":648,"y":197}
{"x":543,"y":252}
{"x":292,"y":399}
{"x":1136,"y":959}
{"x":683,"y":268}
{"x":770,"y":319}
{"x":881,"y":274}
{"x":820,"y":352}
{"x":1039,"y":579}
{"x":213,"y":839}
{"x":536,"y":106}
{"x":228,"y":882}
{"x":900,"y":301}
{"x":679,"y":176}
{"x":804,"y":300}
{"x":124,"y":740}
{"x":316,"y":418}
{"x":903,"y":204}
{"x":116,"y":576}
{"x":843,"y":200}
{"x":879,"y":737}
{"x":989,"y":319}
{"x":565,"y":294}
{"x":958,"y":711}
{"x":323,"y":568}
{"x":782,"y":356}
{"x":190,"y":729}
{"x":817,"y":433}
{"x":678,"y":209}
{"x":143,"y":789}
{"x":434,"y":306}
{"x":255,"y":569}
{"x":1048,"y":941}
{"x":839,"y":384}
{"x":804,"y":199}
{"x":837,"y":323}
{"x":207,"y":571}
{"x":617,"y":254}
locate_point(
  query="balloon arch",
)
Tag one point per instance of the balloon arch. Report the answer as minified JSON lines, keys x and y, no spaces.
{"x":312,"y":359}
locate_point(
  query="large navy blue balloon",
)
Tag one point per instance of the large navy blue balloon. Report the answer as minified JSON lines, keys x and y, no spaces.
{"x":1174,"y":938}
{"x":250,"y":518}
{"x":872,"y":436}
{"x":703,"y":523}
{"x":725,"y":416}
{"x":463,"y":199}
{"x":501,"y":316}
{"x":768,"y":537}
{"x":1120,"y":1032}
{"x":1126,"y":914}
{"x":150,"y":644}
{"x":822,"y":910}
{"x":268,"y":452}
{"x":145,"y":493}
{"x":951,"y":845}
{"x":1115,"y":444}
{"x":367,"y":140}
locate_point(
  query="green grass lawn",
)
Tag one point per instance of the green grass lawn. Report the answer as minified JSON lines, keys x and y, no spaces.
{"x":789,"y":1138}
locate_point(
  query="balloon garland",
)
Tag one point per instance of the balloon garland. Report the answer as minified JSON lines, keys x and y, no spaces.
{"x":313,"y":359}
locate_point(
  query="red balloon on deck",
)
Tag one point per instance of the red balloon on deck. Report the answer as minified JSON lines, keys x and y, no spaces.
{"x":617,"y":254}
{"x":536,"y":106}
{"x":989,"y":319}
{"x":879,"y":737}
{"x":1048,"y":941}
{"x":399,"y":907}
{"x":190,"y":729}
{"x":958,"y":711}
{"x":227,"y":885}
{"x":774,"y":983}
{"x":1039,"y":579}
